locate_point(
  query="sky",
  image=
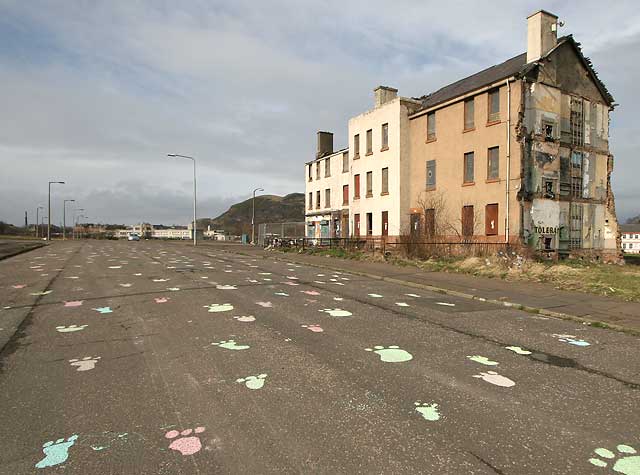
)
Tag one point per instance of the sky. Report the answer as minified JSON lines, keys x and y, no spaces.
{"x":96,"y":94}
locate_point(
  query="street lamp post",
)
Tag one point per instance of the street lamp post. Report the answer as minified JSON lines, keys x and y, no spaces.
{"x":49,"y":219}
{"x":64,"y":218}
{"x":75,"y":221}
{"x":37,"y":219}
{"x":194,"y":228}
{"x":253,"y":216}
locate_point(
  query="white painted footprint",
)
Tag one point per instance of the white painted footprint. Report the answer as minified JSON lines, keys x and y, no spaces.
{"x":246,"y":318}
{"x":428,"y":411}
{"x":518,"y":350}
{"x":230,"y":345}
{"x":337,"y":312}
{"x":85,"y":364}
{"x":391,"y":354}
{"x":219,"y":307}
{"x":496,"y":379}
{"x":226,"y":287}
{"x":71,"y":328}
{"x":253,"y":382}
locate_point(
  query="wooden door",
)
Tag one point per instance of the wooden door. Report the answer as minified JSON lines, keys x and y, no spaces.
{"x":385,"y":223}
{"x":491,"y":219}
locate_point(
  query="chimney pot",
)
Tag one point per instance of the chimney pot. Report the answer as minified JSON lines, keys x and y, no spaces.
{"x":542,"y":34}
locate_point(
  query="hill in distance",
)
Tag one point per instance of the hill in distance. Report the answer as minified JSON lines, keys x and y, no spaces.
{"x":269,"y":209}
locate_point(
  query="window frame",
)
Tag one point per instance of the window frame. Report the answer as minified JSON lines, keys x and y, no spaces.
{"x":327,"y":167}
{"x":369,"y":144}
{"x":317,"y":199}
{"x":356,"y":186}
{"x":497,"y":167}
{"x":384,"y":137}
{"x":345,"y":194}
{"x":384,"y":178}
{"x":431,"y":164}
{"x":493,"y":117}
{"x":310,"y":204}
{"x":356,"y":146}
{"x":465,"y":168}
{"x":317,"y":169}
{"x":469,"y":102}
{"x":369,"y":184}
{"x":345,"y":162}
{"x":327,"y":197}
{"x":431,"y":126}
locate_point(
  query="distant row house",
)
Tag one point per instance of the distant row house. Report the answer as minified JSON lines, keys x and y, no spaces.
{"x":518,"y":152}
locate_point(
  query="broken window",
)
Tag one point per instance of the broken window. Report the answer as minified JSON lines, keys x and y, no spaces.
{"x":493,"y":163}
{"x":494,"y":106}
{"x":576,"y":174}
{"x":318,"y":199}
{"x":547,"y":130}
{"x":548,"y":189}
{"x":575,"y":230}
{"x":369,"y":224}
{"x":576,"y":122}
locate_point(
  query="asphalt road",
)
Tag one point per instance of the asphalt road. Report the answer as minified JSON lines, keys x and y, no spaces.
{"x":158,"y":358}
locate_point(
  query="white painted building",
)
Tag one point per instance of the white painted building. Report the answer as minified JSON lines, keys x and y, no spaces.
{"x":630,"y":237}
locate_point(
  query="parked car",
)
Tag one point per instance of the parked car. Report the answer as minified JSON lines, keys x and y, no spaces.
{"x":133,"y":237}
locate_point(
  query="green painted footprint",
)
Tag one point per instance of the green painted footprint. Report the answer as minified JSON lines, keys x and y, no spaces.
{"x":391,"y":354}
{"x":253,"y":382}
{"x":231,"y":345}
{"x":56,"y":452}
{"x":428,"y":411}
{"x":628,"y":465}
{"x":483,"y":360}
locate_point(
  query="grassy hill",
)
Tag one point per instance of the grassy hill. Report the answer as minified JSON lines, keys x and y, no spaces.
{"x":269,"y":209}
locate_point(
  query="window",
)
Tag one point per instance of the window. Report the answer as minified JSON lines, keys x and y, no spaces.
{"x":356,"y":187}
{"x":356,"y":224}
{"x":491,"y":219}
{"x":310,"y":199}
{"x":369,"y":184}
{"x":494,"y":106}
{"x":493,"y":163}
{"x":431,"y":126}
{"x":369,"y":142}
{"x":431,"y":174}
{"x":576,"y":122}
{"x":467,"y":221}
{"x":318,"y":199}
{"x":345,"y":194}
{"x":369,"y":224}
{"x":310,"y":173}
{"x":576,"y":174}
{"x":469,"y":123}
{"x":547,"y":130}
{"x":468,"y":167}
{"x":327,"y":167}
{"x":318,"y":170}
{"x":385,"y":181}
{"x":356,"y":146}
{"x":385,"y":137}
{"x":345,"y":162}
{"x":385,"y":223}
{"x":430,"y":222}
{"x":327,"y":198}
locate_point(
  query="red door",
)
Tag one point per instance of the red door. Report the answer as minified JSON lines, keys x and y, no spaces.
{"x":385,"y":223}
{"x":356,"y":225}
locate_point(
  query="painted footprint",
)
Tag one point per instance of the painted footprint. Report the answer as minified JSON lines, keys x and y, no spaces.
{"x":572,"y":340}
{"x":518,"y":350}
{"x":337,"y":312}
{"x":282,"y":294}
{"x":219,"y":307}
{"x":253,"y":382}
{"x":73,"y":303}
{"x":160,"y":280}
{"x":71,"y":328}
{"x":56,"y":452}
{"x":103,"y":310}
{"x":161,"y":299}
{"x":428,"y":411}
{"x":483,"y":360}
{"x":375,"y":296}
{"x":85,"y":364}
{"x":446,"y":304}
{"x":231,"y":345}
{"x":496,"y":379}
{"x":44,"y":292}
{"x":19,"y":286}
{"x":226,"y":287}
{"x":314,"y":328}
{"x":184,"y":444}
{"x":391,"y":354}
{"x":310,"y":292}
{"x":265,"y":304}
{"x":246,"y":319}
{"x":402,"y":304}
{"x":173,"y":289}
{"x":125,"y":285}
{"x":629,"y":464}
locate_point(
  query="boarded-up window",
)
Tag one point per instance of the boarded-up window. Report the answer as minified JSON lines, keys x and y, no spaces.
{"x":356,"y":146}
{"x":494,"y":105}
{"x":385,"y":223}
{"x":345,"y":194}
{"x":327,"y":167}
{"x":385,"y":181}
{"x":345,"y":162}
{"x":468,"y":167}
{"x":469,"y":114}
{"x":356,"y":224}
{"x":430,"y":222}
{"x":317,"y":199}
{"x":493,"y":163}
{"x":369,"y":141}
{"x":431,"y":126}
{"x":356,"y":186}
{"x":431,"y":174}
{"x":327,"y":198}
{"x":369,"y":184}
{"x":385,"y":136}
{"x":467,"y":221}
{"x":310,"y":204}
{"x":369,"y":224}
{"x":491,"y":219}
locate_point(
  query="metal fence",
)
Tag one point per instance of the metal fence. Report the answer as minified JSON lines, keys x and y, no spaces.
{"x":267,"y":232}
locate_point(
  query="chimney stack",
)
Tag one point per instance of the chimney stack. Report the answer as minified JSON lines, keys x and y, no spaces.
{"x":325,"y":144}
{"x":384,"y":94}
{"x":542,"y":34}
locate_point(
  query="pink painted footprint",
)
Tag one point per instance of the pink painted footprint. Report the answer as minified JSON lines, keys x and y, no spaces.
{"x":73,"y":303}
{"x":161,"y":299}
{"x":184,"y":444}
{"x":314,"y":328}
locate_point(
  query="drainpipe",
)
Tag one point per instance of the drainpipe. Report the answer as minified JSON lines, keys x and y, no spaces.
{"x":506,"y":229}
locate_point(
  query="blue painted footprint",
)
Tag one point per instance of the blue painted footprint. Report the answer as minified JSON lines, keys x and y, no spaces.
{"x":231,"y":345}
{"x":391,"y":354}
{"x":627,"y":463}
{"x":56,"y":452}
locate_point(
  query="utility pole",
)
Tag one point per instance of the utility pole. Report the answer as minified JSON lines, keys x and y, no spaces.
{"x":194,"y":228}
{"x":37,"y":219}
{"x":253,"y":216}
{"x":49,"y":217}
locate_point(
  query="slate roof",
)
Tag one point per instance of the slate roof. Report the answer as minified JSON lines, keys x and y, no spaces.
{"x":630,"y":228}
{"x":515,"y":66}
